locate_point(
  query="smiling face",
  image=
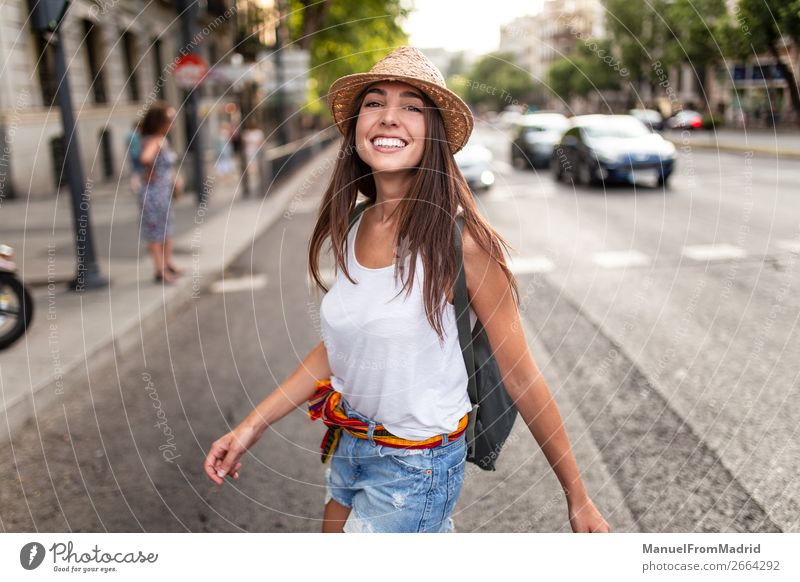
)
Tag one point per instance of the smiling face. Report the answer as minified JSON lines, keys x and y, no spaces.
{"x":390,"y":130}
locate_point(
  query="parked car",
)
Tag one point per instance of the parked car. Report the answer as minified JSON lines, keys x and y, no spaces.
{"x":535,"y":136}
{"x":686,"y":119}
{"x":508,"y":118}
{"x":475,"y":163}
{"x":609,"y":148}
{"x":650,"y":117}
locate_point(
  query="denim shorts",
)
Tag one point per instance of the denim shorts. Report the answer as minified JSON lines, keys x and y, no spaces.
{"x":391,"y":489}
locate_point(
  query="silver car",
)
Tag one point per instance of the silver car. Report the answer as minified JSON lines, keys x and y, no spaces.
{"x":475,"y":163}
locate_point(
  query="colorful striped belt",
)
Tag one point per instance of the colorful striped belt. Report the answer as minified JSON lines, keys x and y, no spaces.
{"x":326,"y":404}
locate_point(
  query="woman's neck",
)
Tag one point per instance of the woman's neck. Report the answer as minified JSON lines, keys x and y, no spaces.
{"x":390,"y":190}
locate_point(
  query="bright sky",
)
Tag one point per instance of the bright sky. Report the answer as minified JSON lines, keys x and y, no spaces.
{"x":472,"y":25}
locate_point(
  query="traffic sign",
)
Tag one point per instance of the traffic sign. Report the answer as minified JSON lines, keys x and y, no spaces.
{"x":190,"y":70}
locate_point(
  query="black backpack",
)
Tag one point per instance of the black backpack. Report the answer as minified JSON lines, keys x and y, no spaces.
{"x":493,"y":411}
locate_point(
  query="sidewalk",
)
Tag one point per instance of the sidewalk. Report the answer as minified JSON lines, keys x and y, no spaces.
{"x":776,"y":143}
{"x":70,"y":328}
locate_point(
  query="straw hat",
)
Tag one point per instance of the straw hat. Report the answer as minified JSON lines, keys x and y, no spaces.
{"x":409,"y":65}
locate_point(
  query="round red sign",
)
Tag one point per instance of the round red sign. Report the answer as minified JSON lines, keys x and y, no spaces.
{"x":190,"y":70}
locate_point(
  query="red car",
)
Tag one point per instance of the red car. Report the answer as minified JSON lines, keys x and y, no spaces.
{"x":686,"y":119}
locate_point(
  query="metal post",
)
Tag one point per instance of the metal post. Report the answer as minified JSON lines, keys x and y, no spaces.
{"x":6,"y":186}
{"x":88,"y":273}
{"x":194,"y":135}
{"x":280,"y":77}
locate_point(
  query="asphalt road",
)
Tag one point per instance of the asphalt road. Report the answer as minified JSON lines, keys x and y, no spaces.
{"x":674,"y":365}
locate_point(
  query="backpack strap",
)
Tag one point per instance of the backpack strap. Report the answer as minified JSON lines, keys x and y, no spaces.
{"x":360,"y":207}
{"x":461,"y":303}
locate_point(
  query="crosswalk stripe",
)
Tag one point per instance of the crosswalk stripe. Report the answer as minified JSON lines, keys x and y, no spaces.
{"x":525,"y":265}
{"x":617,"y":259}
{"x":239,"y":284}
{"x":791,"y":245}
{"x":713,"y":252}
{"x":500,"y":194}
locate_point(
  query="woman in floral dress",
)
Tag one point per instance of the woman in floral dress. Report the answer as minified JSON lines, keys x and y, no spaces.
{"x":155,"y":195}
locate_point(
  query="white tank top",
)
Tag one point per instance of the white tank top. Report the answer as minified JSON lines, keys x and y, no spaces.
{"x":385,"y":357}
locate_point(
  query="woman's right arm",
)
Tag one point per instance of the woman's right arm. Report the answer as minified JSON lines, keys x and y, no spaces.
{"x":223,"y":458}
{"x":150,"y":150}
{"x":148,"y":156}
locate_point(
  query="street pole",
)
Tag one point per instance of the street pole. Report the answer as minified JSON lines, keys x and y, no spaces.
{"x":280,"y":77}
{"x":187,"y":9}
{"x":6,"y":187}
{"x":88,"y":274}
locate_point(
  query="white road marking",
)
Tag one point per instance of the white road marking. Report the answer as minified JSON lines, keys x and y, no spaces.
{"x":525,"y":265}
{"x":617,"y":259}
{"x":713,"y":252}
{"x":507,"y":194}
{"x":239,"y":284}
{"x":791,"y":245}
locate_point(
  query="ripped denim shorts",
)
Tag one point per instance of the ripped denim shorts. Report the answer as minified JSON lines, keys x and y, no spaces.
{"x":391,"y":489}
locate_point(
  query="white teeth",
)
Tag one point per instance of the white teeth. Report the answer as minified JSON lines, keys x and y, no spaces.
{"x":389,"y":142}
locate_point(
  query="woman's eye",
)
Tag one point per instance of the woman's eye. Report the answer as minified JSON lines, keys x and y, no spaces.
{"x":409,"y":107}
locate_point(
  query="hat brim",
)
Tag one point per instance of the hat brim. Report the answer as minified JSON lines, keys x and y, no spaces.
{"x":458,"y":121}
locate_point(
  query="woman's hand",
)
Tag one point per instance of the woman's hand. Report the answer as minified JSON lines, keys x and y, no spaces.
{"x":177,"y":187}
{"x":223,"y":457}
{"x":585,"y":518}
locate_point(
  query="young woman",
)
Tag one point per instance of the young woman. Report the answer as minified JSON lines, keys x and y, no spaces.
{"x":158,"y":183}
{"x":389,"y":379}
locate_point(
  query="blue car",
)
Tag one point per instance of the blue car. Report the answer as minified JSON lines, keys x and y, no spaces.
{"x":612,"y":148}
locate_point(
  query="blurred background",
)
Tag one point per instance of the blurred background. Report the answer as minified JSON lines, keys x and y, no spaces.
{"x":642,"y":158}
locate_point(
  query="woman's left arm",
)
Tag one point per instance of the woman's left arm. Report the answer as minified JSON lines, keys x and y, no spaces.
{"x":493,"y":302}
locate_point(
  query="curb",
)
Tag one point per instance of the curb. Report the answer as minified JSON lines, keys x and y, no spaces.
{"x":16,"y":413}
{"x":787,"y":153}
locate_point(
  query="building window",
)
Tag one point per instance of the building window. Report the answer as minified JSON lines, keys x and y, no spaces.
{"x":46,"y":65}
{"x":131,"y":56}
{"x":158,"y":71}
{"x":93,"y":42}
{"x":108,"y":153}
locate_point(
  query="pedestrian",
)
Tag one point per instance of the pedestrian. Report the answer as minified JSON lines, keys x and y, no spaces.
{"x":159,"y":185}
{"x":133,"y":141}
{"x":223,"y":151}
{"x":389,"y":378}
{"x":252,"y":141}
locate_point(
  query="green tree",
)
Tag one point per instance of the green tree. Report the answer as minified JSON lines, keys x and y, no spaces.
{"x":496,"y":82}
{"x":592,"y":68}
{"x":762,"y":26}
{"x":343,"y":38}
{"x":698,"y":28}
{"x":640,"y":37}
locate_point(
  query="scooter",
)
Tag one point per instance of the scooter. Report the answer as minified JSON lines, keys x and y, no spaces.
{"x":16,"y":303}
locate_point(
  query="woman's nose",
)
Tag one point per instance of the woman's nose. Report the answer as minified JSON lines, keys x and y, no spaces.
{"x":389,"y":116}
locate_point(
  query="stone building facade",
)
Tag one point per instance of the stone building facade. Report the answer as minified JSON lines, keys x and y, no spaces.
{"x":120,"y":55}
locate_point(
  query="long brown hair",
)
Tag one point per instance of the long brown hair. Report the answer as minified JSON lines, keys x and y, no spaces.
{"x":426,"y":215}
{"x":155,"y":119}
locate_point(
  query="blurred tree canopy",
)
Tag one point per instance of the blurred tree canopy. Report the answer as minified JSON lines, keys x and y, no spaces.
{"x":343,"y":38}
{"x":698,"y":29}
{"x":495,"y":82}
{"x":640,"y":36}
{"x":589,"y":70}
{"x":762,"y":26}
{"x":700,"y":33}
{"x":669,"y":32}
